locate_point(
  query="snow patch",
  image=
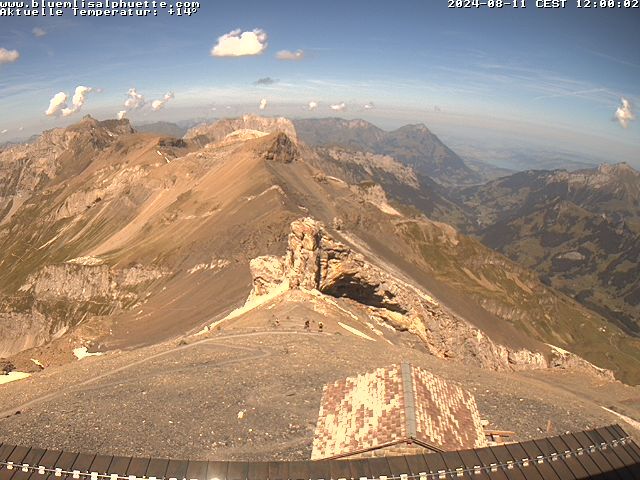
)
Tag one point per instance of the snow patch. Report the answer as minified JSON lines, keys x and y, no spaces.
{"x":215,"y":264}
{"x":13,"y":377}
{"x":355,"y":331}
{"x":83,"y":352}
{"x":251,"y":304}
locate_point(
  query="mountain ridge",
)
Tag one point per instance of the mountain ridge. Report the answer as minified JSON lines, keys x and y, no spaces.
{"x":412,"y":145}
{"x":175,"y":224}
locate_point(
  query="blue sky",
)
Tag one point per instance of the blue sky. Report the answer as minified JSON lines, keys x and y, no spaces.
{"x":544,"y":75}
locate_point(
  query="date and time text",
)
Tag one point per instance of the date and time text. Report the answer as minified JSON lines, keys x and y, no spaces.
{"x":587,"y":4}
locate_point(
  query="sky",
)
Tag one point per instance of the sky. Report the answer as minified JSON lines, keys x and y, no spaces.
{"x":566,"y":78}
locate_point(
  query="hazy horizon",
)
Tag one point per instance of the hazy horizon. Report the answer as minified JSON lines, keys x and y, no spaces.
{"x":566,"y":79}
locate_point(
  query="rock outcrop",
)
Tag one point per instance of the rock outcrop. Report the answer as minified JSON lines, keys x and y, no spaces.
{"x":79,"y":282}
{"x":58,"y":297}
{"x":315,"y":261}
{"x":218,"y":131}
{"x":282,"y":149}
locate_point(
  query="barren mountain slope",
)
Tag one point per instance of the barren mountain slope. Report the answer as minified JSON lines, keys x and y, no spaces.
{"x":153,"y":237}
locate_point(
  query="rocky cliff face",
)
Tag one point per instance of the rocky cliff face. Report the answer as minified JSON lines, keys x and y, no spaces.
{"x":57,"y":153}
{"x":58,"y":297}
{"x":216,"y":132}
{"x":315,"y":261}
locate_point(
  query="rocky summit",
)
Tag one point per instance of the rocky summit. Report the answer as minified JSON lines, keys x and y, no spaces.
{"x":192,"y":296}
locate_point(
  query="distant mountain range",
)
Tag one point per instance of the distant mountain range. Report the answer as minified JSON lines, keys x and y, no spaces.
{"x":162,"y":128}
{"x":579,"y":230}
{"x":412,"y":145}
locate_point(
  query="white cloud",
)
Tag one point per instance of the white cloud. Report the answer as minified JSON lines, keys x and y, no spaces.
{"x":339,"y":107}
{"x":159,"y":104}
{"x":134,"y":100}
{"x":238,"y":44}
{"x":369,"y":106}
{"x":4,"y":131}
{"x":624,"y":114}
{"x":289,"y":55}
{"x":8,"y":56}
{"x":78,"y":100}
{"x":263,"y":104}
{"x":122,"y":114}
{"x":313,"y":105}
{"x":39,"y":32}
{"x":56,"y":104}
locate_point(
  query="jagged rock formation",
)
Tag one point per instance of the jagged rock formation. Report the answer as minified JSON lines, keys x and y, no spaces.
{"x":58,"y":297}
{"x":56,"y":153}
{"x":281,"y":149}
{"x":216,"y":132}
{"x":371,"y":163}
{"x":86,"y":282}
{"x":315,"y":261}
{"x":6,"y":366}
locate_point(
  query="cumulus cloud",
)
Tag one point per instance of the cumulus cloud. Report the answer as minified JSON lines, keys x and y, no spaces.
{"x":289,"y":55}
{"x":313,"y":105}
{"x":159,"y":104}
{"x":239,"y":44}
{"x":77,"y":101}
{"x":369,"y":106}
{"x":263,"y":104}
{"x":266,"y":81}
{"x":39,"y":32}
{"x":339,"y":107}
{"x":56,"y":104}
{"x":8,"y":56}
{"x":122,"y":114}
{"x":134,"y":100}
{"x":624,"y":114}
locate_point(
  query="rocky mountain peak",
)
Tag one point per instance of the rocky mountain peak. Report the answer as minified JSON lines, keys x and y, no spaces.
{"x":281,"y":149}
{"x":358,"y":123}
{"x":217,"y":131}
{"x":274,"y":147}
{"x":617,"y":169}
{"x":416,"y":127}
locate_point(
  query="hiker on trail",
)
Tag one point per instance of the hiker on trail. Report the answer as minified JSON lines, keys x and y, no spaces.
{"x":306,"y":325}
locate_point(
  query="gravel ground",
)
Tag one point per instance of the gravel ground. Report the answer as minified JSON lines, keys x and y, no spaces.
{"x":256,"y":396}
